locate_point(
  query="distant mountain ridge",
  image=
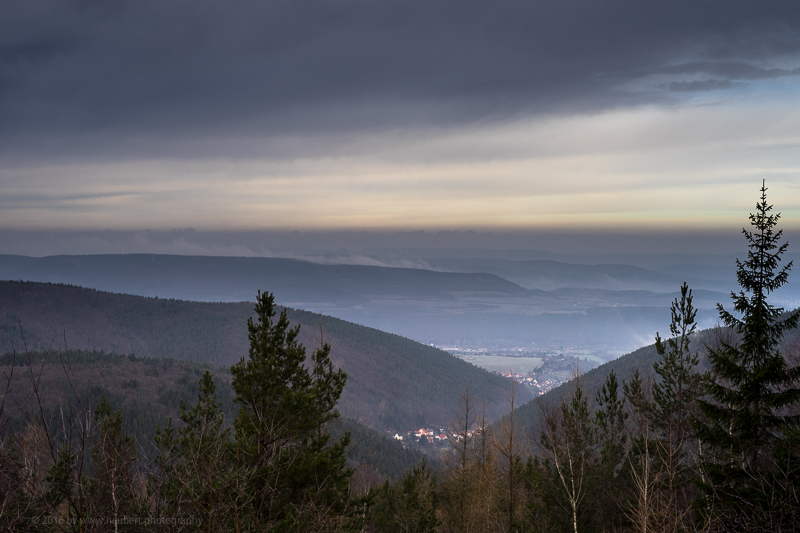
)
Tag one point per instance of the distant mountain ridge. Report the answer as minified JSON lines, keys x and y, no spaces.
{"x":546,"y":274}
{"x":468,"y":309}
{"x":236,"y":279}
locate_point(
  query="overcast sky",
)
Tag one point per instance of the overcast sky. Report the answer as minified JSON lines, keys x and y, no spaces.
{"x":556,"y":115}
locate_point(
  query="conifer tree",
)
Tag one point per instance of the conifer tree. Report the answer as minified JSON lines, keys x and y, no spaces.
{"x":680,"y":383}
{"x":610,"y":420}
{"x":751,"y":387}
{"x":197,"y":475}
{"x":673,"y":402}
{"x":299,"y":480}
{"x":410,"y":506}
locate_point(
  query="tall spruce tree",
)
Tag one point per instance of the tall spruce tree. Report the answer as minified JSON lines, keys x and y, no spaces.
{"x":751,"y":387}
{"x":298,"y":480}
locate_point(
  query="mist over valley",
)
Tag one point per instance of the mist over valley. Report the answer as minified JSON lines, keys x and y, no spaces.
{"x":460,"y":302}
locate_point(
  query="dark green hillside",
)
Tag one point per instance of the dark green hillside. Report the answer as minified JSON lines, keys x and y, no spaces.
{"x":393,"y":382}
{"x":380,"y":450}
{"x":118,"y":323}
{"x":149,"y":391}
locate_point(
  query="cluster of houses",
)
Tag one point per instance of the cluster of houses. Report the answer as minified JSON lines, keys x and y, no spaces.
{"x":519,"y":378}
{"x":548,"y":384}
{"x":432,"y":436}
{"x":542,"y":386}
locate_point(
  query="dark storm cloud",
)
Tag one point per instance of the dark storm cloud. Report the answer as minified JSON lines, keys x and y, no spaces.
{"x":123,"y":77}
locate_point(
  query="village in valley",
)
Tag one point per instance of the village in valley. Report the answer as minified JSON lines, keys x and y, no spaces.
{"x":423,"y":436}
{"x":432,"y":441}
{"x":539,"y":386}
{"x":540,"y":371}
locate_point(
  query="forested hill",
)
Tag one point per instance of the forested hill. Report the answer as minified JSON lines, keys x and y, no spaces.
{"x":625,"y":366}
{"x":393,"y":382}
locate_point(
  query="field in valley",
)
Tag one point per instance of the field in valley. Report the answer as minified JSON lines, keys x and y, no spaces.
{"x":500,"y":363}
